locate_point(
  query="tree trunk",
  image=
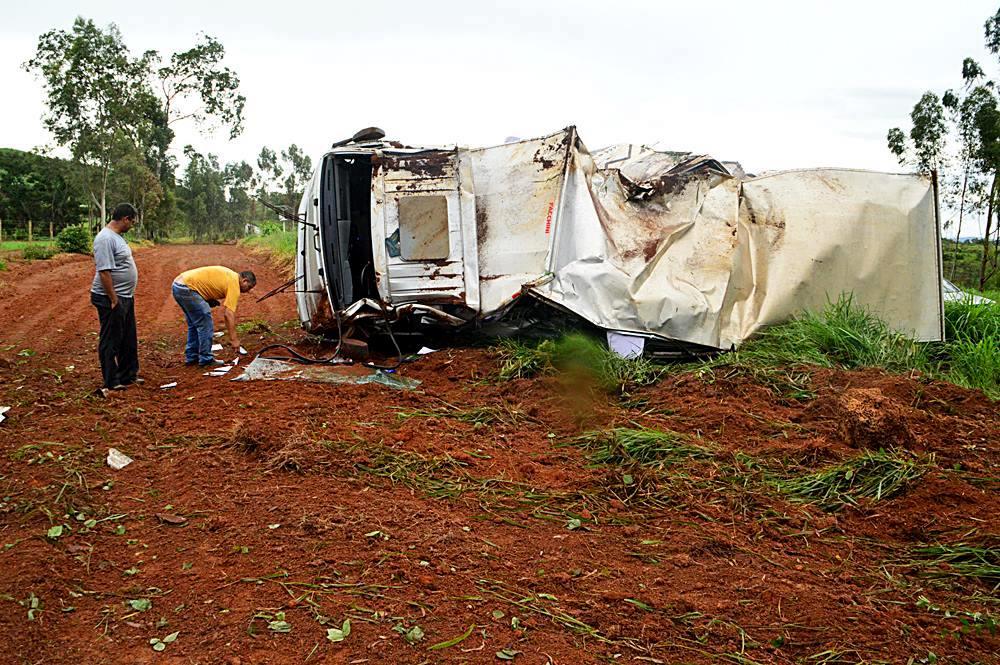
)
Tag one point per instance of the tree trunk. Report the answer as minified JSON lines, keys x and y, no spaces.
{"x":29,"y":230}
{"x":986,"y":233}
{"x":958,"y":233}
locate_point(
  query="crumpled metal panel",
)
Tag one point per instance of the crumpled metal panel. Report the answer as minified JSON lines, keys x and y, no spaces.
{"x":699,"y":256}
{"x":517,"y":189}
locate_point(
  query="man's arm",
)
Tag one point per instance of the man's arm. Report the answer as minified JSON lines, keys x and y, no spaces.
{"x":109,"y":287}
{"x":230,"y":318}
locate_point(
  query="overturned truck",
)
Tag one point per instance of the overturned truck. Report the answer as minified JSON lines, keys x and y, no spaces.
{"x":675,"y":247}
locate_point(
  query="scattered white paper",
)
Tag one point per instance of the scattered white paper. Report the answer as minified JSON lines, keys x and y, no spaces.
{"x":3,"y":410}
{"x":219,"y":333}
{"x":243,"y":351}
{"x":236,"y":361}
{"x":626,"y":346}
{"x":216,"y":347}
{"x":118,"y":460}
{"x":425,"y":350}
{"x":219,"y":371}
{"x":172,"y":384}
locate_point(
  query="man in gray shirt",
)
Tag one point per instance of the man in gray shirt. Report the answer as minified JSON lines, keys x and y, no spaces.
{"x":112,"y":293}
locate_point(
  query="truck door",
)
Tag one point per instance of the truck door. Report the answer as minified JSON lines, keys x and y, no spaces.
{"x":424,"y":218}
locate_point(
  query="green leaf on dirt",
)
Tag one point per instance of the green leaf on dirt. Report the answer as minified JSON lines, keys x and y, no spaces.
{"x":140,"y":604}
{"x":280,"y":626}
{"x":507,"y":654}
{"x":157,"y":644}
{"x":90,"y":524}
{"x":627,"y":479}
{"x":547,"y":596}
{"x":338,"y":634}
{"x":171,"y":637}
{"x":515,"y":623}
{"x":120,"y":530}
{"x":413,"y":635}
{"x":574,"y":523}
{"x":131,"y":571}
{"x":453,"y":641}
{"x":498,"y":614}
{"x":638,"y":603}
{"x":55,"y":531}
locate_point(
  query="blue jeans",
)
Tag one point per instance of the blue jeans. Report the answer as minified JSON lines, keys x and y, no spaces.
{"x":198,"y":314}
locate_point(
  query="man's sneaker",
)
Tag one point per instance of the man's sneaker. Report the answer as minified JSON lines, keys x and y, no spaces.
{"x":120,"y":386}
{"x":212,"y":363}
{"x":138,"y":380}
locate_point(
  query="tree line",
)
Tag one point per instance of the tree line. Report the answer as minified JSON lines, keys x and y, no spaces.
{"x":115,"y":113}
{"x":957,"y":135}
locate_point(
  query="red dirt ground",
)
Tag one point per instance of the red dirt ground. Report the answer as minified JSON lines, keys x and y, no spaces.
{"x":330,"y":502}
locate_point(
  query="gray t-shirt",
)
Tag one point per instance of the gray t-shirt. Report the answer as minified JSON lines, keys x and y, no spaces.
{"x":111,"y":252}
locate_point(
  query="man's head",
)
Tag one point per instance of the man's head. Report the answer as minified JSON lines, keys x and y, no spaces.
{"x":124,"y":216}
{"x":248,"y":280}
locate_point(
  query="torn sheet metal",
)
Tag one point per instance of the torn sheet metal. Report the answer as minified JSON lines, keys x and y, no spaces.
{"x":269,"y":369}
{"x":671,"y":245}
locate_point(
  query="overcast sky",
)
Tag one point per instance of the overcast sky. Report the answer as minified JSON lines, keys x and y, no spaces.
{"x":770,"y":84}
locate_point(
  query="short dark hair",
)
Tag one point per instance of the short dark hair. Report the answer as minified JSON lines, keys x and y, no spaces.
{"x":123,"y":210}
{"x":249,"y":277}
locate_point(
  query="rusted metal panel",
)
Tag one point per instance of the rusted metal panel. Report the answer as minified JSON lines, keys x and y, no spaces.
{"x":423,"y":260}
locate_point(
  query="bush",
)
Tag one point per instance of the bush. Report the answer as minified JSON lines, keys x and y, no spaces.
{"x":270,"y":228}
{"x":75,"y":239}
{"x":38,"y":252}
{"x":3,"y":265}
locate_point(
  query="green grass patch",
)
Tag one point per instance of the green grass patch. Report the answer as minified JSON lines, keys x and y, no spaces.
{"x":579,"y":356}
{"x":279,"y":245}
{"x":847,"y":335}
{"x":15,"y":245}
{"x":639,"y":445}
{"x":39,"y":252}
{"x":873,"y":476}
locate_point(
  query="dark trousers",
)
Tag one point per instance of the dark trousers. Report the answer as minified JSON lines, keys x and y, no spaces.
{"x":118,"y":347}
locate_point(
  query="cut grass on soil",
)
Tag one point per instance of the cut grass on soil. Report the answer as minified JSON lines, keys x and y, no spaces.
{"x":477,"y":416}
{"x":960,"y":561}
{"x":639,"y":445}
{"x":873,"y":476}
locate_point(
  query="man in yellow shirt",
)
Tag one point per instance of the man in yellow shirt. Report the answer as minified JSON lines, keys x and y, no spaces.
{"x":194,"y":290}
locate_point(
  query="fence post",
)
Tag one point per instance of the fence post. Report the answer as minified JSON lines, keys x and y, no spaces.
{"x":29,"y":230}
{"x":51,"y":235}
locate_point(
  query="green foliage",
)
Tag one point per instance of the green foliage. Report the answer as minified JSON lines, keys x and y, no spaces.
{"x":280,"y":245}
{"x":873,"y":475}
{"x":971,"y":355}
{"x":75,"y":239}
{"x":847,"y":335}
{"x":38,"y":188}
{"x":962,"y":263}
{"x":38,"y":252}
{"x":843,"y":334}
{"x":270,"y":228}
{"x":578,"y":355}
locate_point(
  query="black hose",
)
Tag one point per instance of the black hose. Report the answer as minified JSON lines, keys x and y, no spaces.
{"x":306,"y":360}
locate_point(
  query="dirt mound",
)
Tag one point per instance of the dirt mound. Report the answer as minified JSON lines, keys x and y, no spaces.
{"x":868,"y":419}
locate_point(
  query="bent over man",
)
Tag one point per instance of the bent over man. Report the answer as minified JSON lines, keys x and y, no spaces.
{"x":197,"y":291}
{"x":113,"y":292}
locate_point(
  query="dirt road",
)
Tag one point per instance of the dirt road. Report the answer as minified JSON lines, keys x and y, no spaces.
{"x":459,"y":522}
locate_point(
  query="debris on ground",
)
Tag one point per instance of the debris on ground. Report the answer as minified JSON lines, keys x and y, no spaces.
{"x":3,"y":411}
{"x":118,"y":460}
{"x":270,"y":369}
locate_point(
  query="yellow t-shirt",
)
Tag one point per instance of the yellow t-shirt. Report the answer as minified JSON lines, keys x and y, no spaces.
{"x":213,"y":283}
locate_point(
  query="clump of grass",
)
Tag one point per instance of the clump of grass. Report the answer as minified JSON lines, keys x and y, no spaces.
{"x":843,"y":334}
{"x":575,"y":354}
{"x":873,"y":475}
{"x":961,"y":561}
{"x":38,"y":252}
{"x":639,"y":445}
{"x":970,"y":357}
